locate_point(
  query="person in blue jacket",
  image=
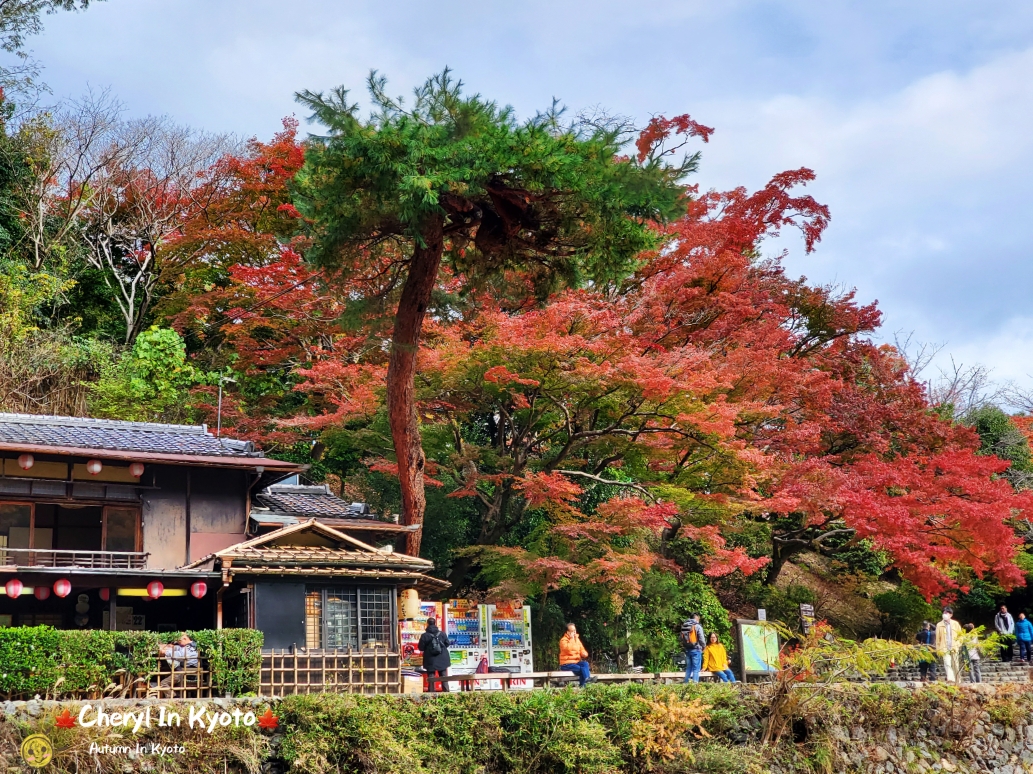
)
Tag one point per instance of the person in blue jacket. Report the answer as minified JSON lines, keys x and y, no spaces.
{"x":1024,"y":635}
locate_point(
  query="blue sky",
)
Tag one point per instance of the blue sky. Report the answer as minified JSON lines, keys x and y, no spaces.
{"x":917,"y":116}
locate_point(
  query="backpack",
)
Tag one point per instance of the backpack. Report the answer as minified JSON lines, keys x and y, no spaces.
{"x":434,"y":646}
{"x":689,"y":634}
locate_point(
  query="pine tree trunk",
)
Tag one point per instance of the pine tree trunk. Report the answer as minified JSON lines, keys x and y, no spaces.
{"x":401,"y":375}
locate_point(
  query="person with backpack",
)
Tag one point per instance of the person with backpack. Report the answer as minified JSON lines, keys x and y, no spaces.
{"x":436,"y":660}
{"x":692,"y":640}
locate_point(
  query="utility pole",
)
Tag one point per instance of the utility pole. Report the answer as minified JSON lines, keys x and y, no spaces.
{"x":218,"y":420}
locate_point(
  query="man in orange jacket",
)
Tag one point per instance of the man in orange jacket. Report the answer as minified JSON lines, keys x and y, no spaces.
{"x":573,"y":656}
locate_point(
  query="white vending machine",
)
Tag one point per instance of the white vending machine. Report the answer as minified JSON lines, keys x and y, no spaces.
{"x":411,"y":629}
{"x":466,"y":628}
{"x":509,"y":629}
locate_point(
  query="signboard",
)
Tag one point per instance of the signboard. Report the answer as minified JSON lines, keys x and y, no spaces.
{"x":758,"y":648}
{"x":806,"y":618}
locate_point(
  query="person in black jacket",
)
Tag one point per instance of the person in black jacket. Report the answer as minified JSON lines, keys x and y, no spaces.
{"x":436,"y":661}
{"x":927,"y":663}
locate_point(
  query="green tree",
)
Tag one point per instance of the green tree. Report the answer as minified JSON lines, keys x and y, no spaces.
{"x":148,"y":383}
{"x":458,"y":183}
{"x":999,"y":436}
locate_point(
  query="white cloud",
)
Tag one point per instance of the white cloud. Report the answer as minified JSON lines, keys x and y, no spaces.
{"x":929,"y":188}
{"x":918,"y":118}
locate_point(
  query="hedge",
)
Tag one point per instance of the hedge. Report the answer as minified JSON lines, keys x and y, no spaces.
{"x":51,"y":662}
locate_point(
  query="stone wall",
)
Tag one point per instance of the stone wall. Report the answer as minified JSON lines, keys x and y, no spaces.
{"x":876,"y":728}
{"x":977,"y":729}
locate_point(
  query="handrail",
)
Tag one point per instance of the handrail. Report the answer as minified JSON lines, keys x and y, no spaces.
{"x":63,"y":557}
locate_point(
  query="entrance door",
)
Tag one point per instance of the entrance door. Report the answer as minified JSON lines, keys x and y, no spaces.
{"x":280,"y":613}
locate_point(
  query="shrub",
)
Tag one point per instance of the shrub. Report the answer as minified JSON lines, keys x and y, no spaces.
{"x":46,"y":661}
{"x":903,"y":611}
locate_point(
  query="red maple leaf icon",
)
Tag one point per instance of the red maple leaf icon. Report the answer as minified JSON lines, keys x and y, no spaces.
{"x":268,"y":720}
{"x":65,"y":720}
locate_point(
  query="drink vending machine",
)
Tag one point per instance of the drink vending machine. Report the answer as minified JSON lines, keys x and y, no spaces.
{"x":466,"y":629}
{"x":411,"y":629}
{"x":509,"y":626}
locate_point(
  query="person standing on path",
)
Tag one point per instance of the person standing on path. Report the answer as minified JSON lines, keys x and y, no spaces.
{"x":573,"y":656}
{"x":948,"y":645}
{"x":1024,"y":635}
{"x":927,"y":665}
{"x":436,"y":659}
{"x":972,"y":651}
{"x":715,"y":659}
{"x":692,"y":639}
{"x":1004,"y":625}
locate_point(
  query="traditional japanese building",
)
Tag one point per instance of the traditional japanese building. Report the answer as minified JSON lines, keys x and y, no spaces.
{"x":111,"y":524}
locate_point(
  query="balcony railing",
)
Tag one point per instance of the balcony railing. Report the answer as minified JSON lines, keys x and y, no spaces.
{"x":93,"y":560}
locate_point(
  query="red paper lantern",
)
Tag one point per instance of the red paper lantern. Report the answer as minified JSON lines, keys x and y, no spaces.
{"x":93,"y":467}
{"x":41,"y":593}
{"x":14,"y":587}
{"x":26,"y":461}
{"x":136,"y":469}
{"x":199,"y":589}
{"x":63,"y":587}
{"x":155,"y":589}
{"x":105,"y":594}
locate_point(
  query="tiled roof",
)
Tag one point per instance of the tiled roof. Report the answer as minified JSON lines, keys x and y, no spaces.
{"x":316,"y":556}
{"x":309,"y":501}
{"x":267,"y":518}
{"x":293,"y":545}
{"x":424,"y":583}
{"x":116,"y":435}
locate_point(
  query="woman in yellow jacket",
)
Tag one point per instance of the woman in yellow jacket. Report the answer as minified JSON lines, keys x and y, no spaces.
{"x":715,"y":659}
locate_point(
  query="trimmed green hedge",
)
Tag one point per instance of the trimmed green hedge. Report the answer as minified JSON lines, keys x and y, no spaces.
{"x":52,"y":662}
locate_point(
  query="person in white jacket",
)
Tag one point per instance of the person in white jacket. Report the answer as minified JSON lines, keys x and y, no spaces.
{"x":949,"y":635}
{"x":1004,"y":625}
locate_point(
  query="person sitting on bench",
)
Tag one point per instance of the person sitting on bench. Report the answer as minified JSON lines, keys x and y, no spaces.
{"x":715,"y":659}
{"x":573,"y":656}
{"x":182,"y":658}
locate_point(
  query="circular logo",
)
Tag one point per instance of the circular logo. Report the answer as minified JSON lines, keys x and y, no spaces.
{"x":37,"y":751}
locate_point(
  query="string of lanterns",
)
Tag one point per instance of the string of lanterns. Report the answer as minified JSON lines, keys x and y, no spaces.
{"x":93,"y":467}
{"x":63,"y":587}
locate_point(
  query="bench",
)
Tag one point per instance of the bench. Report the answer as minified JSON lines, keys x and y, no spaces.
{"x":676,"y":677}
{"x":629,"y":677}
{"x":537,"y":679}
{"x":560,"y":677}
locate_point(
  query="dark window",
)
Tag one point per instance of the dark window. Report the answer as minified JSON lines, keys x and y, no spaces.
{"x":120,"y":529}
{"x":356,"y":617}
{"x":67,"y":527}
{"x":15,"y":520}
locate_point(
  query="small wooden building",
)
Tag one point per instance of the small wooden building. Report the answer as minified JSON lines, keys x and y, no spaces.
{"x":108,"y":507}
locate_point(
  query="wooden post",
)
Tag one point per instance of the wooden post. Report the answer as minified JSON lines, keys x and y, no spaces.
{"x":218,"y":607}
{"x":111,"y":609}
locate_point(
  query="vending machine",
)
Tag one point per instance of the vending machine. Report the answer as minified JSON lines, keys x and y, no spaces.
{"x":467,"y":631}
{"x":509,"y":626}
{"x":411,"y":629}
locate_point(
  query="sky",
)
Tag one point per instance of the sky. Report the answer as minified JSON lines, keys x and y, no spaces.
{"x":916,"y":116}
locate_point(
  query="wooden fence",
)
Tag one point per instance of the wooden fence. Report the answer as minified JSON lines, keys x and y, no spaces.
{"x":299,"y":670}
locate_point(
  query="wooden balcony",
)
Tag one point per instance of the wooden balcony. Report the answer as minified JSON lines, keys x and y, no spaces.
{"x":92,"y":560}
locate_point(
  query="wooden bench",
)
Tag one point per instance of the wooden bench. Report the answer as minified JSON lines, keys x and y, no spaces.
{"x":505,"y":679}
{"x":628,"y":677}
{"x":676,"y":677}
